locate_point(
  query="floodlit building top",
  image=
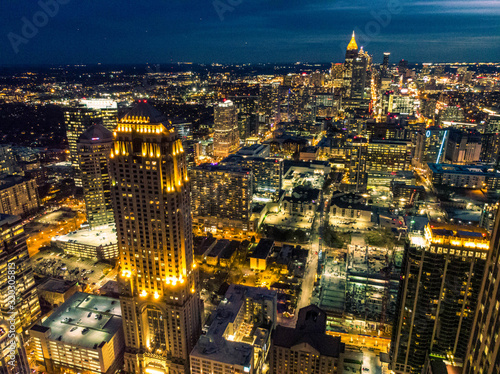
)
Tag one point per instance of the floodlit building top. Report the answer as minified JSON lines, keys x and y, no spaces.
{"x":103,"y":236}
{"x":457,"y":235}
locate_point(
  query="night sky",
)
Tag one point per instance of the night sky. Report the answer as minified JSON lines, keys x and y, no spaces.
{"x":228,"y":31}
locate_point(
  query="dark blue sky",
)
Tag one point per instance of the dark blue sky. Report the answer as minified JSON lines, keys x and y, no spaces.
{"x":156,"y":31}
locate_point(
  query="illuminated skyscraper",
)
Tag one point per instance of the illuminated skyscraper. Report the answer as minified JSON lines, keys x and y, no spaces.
{"x":226,"y":137}
{"x":80,"y":117}
{"x":150,"y":187}
{"x":358,"y":80}
{"x":438,"y":292}
{"x":350,"y":56}
{"x":385,"y":63}
{"x":94,"y":147}
{"x":483,"y":353}
{"x":431,"y":145}
{"x":14,"y":257}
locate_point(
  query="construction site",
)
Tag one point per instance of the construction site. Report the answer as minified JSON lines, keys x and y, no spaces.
{"x":358,"y":288}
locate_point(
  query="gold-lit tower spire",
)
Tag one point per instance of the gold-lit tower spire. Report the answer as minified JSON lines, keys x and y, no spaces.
{"x":352,"y":44}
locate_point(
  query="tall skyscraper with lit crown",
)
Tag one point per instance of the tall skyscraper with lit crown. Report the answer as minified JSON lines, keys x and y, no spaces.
{"x":150,"y":187}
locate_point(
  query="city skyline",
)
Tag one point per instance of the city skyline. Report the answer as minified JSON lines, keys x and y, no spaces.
{"x":263,"y":218}
{"x":238,"y":31}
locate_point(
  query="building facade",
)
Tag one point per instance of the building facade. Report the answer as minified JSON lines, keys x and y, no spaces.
{"x":150,"y":189}
{"x":80,"y":117}
{"x":388,"y":155}
{"x":7,"y":161}
{"x":18,"y":196}
{"x":14,"y":257}
{"x":239,"y":336}
{"x":440,"y":281}
{"x":221,"y":196}
{"x":483,"y":353}
{"x":226,"y":136}
{"x":306,"y":349}
{"x":94,"y":149}
{"x":83,"y":335}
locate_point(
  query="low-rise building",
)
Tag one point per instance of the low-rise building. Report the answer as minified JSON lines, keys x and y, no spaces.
{"x":306,"y":348}
{"x":212,"y":257}
{"x":56,"y":291}
{"x":350,"y":206}
{"x":309,"y":153}
{"x":302,"y":201}
{"x":464,"y":176}
{"x":83,"y":334}
{"x":98,"y":244}
{"x":239,"y":336}
{"x":406,"y":194}
{"x":260,"y":255}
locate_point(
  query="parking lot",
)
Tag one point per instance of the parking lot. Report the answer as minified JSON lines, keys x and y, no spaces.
{"x":47,"y":263}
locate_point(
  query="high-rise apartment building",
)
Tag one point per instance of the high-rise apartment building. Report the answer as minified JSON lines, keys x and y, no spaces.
{"x":402,"y":67}
{"x":440,"y":282}
{"x":464,"y":147}
{"x":483,"y":353}
{"x":94,"y":148}
{"x":221,"y":196}
{"x":18,"y":195}
{"x":226,"y":137}
{"x":80,"y":117}
{"x":161,"y":307}
{"x":14,"y":257}
{"x":267,"y":171}
{"x":247,"y":115}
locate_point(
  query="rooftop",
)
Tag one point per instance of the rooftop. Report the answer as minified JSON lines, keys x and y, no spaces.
{"x":96,"y":133}
{"x":84,"y":320}
{"x":263,"y":249}
{"x":106,"y":235}
{"x":11,"y":180}
{"x":458,"y":231}
{"x":326,"y":345}
{"x":486,"y":170}
{"x":214,"y":344}
{"x":303,"y":194}
{"x":146,"y":112}
{"x":226,"y":168}
{"x":56,"y":285}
